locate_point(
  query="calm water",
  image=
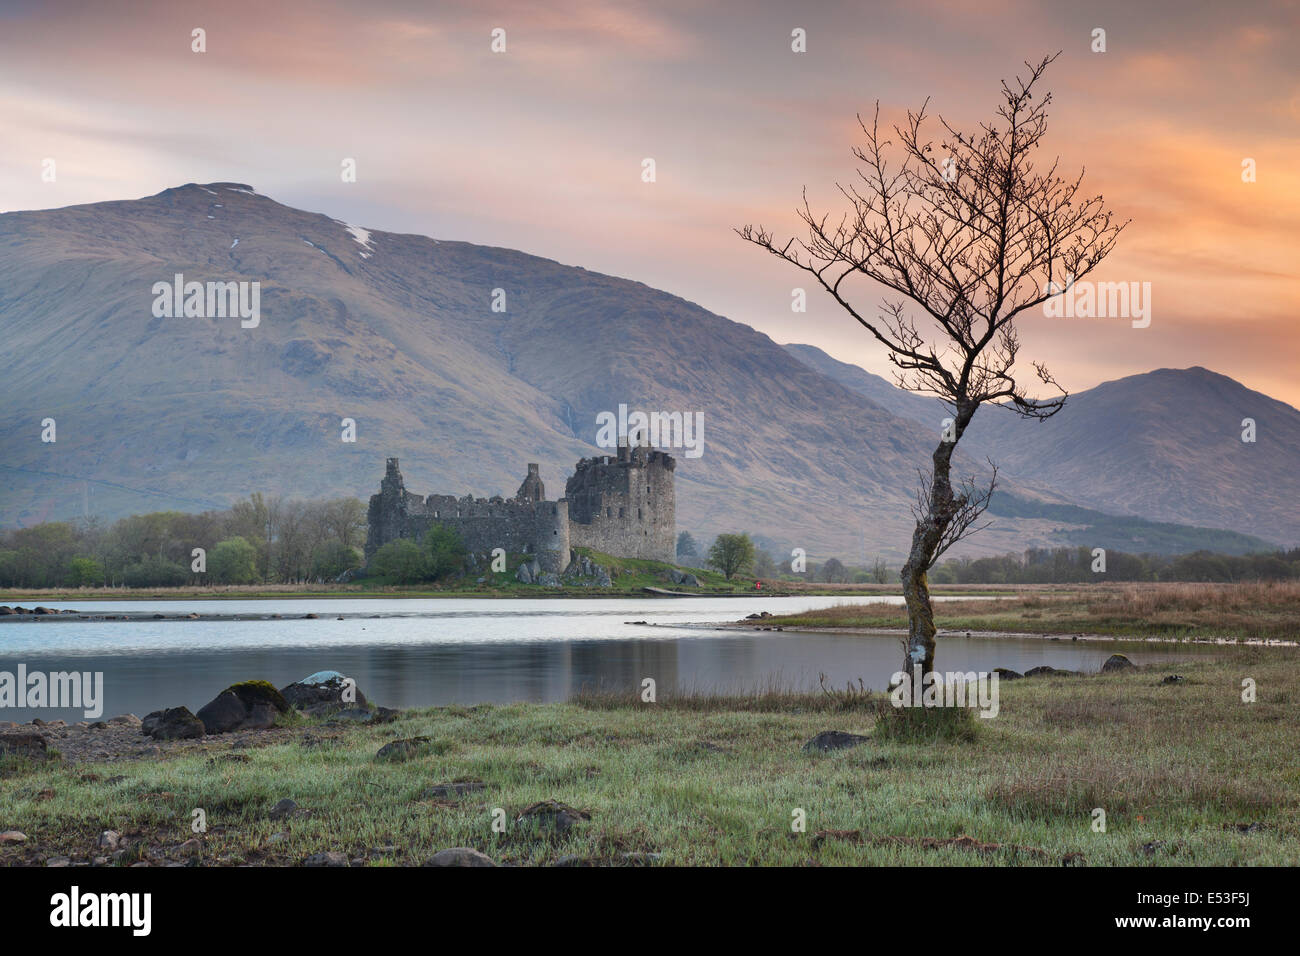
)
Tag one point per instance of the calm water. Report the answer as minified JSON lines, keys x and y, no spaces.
{"x":421,"y":653}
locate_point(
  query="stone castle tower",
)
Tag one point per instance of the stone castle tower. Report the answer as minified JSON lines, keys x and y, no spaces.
{"x":625,"y":505}
{"x":622,"y":505}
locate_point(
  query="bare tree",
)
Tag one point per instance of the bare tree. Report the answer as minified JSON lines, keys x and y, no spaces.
{"x":971,"y":233}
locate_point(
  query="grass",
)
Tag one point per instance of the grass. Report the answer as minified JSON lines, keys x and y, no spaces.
{"x":1256,"y":610}
{"x":630,"y":576}
{"x":1180,"y":770}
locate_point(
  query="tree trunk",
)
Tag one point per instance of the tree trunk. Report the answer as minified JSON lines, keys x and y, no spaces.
{"x":919,"y":650}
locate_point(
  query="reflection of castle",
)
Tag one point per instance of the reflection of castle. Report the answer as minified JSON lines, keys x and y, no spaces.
{"x":623,"y":505}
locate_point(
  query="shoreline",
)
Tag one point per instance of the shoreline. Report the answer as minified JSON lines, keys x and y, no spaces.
{"x":976,"y":635}
{"x":290,"y":592}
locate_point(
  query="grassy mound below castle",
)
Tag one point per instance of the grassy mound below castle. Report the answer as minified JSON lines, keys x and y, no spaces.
{"x":628,"y":576}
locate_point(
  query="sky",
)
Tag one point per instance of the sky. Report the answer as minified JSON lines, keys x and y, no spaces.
{"x":541,"y":147}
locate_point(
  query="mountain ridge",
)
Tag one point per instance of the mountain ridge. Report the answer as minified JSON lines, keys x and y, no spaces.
{"x":1177,"y":430}
{"x":396,"y":331}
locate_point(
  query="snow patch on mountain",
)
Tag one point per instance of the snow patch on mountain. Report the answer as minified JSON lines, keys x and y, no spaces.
{"x":361,"y":237}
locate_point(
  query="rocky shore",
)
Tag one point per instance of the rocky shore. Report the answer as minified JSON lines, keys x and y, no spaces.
{"x":248,"y":714}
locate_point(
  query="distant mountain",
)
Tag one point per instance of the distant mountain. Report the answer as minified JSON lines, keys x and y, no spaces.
{"x":925,"y":410}
{"x":1164,"y":445}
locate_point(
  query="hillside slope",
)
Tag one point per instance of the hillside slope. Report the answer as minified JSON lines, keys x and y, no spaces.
{"x":1166,"y":445}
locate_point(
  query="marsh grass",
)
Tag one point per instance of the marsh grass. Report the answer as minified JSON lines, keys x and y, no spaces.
{"x":927,"y":725}
{"x":1251,"y":610}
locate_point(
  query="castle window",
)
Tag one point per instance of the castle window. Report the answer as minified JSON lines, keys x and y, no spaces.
{"x":638,"y":514}
{"x":435,"y":514}
{"x":622,"y":512}
{"x":555,"y":532}
{"x":609,"y":512}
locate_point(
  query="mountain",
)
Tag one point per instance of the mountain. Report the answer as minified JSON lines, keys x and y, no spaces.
{"x":925,"y":410}
{"x":398,"y":333}
{"x":1164,"y":445}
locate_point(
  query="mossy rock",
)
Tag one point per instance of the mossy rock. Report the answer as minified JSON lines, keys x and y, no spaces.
{"x":259,"y":692}
{"x":248,"y":705}
{"x":405,"y":749}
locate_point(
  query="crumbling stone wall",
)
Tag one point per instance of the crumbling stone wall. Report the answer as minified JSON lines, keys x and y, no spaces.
{"x":623,"y":505}
{"x":519,"y":524}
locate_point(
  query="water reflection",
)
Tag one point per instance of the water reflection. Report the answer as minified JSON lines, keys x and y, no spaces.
{"x":487,"y":651}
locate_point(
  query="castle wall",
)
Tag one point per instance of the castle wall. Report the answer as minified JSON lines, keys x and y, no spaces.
{"x":532,"y":527}
{"x":624,"y":506}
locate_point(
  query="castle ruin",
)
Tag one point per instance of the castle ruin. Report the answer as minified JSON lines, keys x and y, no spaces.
{"x":623,"y":505}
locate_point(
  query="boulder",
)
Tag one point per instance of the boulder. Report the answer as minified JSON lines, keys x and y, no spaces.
{"x":833,"y":740}
{"x":24,"y":744}
{"x":548,"y":580}
{"x":285,"y":808}
{"x":403,"y":749}
{"x":1117,"y":662}
{"x":323,"y":687}
{"x":248,"y":705}
{"x":587,"y":573}
{"x":332,"y":858}
{"x":1046,"y":671}
{"x":12,"y":836}
{"x":459,"y":856}
{"x":552,"y":815}
{"x":174,"y":723}
{"x":524,"y":575}
{"x":1005,"y":673}
{"x":683,"y":578}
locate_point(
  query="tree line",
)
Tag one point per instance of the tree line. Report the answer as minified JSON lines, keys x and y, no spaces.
{"x":738,"y":555}
{"x":1075,"y":565}
{"x":259,"y":540}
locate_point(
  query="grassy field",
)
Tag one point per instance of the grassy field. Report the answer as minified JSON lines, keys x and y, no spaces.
{"x":1257,"y":611}
{"x":1182,"y":772}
